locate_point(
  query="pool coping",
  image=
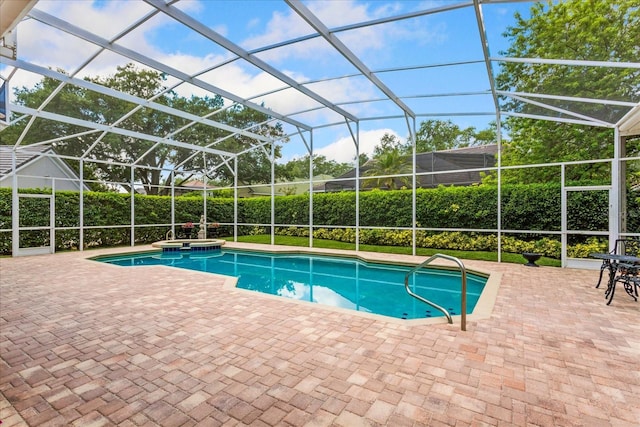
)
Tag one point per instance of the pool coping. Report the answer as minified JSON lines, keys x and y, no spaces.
{"x":482,"y":310}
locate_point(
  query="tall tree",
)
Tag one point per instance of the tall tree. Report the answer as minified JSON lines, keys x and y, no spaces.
{"x":438,"y":135}
{"x":388,"y":143}
{"x":254,"y":164}
{"x":392,"y":157}
{"x":299,"y":168}
{"x":599,"y":30}
{"x":121,"y":148}
{"x":384,"y":166}
{"x":362,"y":159}
{"x":113,"y":149}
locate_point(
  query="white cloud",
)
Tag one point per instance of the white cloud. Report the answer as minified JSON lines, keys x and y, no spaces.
{"x":287,"y":26}
{"x":51,"y":48}
{"x":55,"y":49}
{"x":343,"y":149}
{"x":40,"y":44}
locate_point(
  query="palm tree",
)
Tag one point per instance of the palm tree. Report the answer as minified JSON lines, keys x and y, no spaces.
{"x":383,"y":166}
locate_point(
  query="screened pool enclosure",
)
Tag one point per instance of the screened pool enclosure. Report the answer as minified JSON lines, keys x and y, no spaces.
{"x":248,"y":86}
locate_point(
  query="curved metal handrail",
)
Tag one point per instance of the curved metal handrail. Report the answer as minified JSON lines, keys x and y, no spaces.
{"x":463,"y":270}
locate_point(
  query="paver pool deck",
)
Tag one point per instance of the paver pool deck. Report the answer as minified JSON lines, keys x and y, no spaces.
{"x":84,"y":343}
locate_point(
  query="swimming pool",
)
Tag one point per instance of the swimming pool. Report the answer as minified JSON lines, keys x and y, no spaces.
{"x":350,"y":283}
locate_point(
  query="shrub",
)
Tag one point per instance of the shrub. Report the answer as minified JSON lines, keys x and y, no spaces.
{"x":582,"y":250}
{"x":533,"y":207}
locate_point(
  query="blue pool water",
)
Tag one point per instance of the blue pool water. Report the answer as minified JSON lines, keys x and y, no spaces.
{"x":341,"y":282}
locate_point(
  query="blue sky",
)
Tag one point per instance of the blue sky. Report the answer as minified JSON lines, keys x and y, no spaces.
{"x":431,"y":39}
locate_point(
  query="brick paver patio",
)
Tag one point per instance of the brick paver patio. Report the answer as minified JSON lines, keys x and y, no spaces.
{"x":89,"y":344}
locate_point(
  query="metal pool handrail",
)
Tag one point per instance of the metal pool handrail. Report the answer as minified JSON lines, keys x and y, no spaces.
{"x":463,"y":270}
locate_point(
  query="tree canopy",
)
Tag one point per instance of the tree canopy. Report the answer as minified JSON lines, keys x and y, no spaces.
{"x":299,"y":168}
{"x":437,"y":135}
{"x":384,"y":166}
{"x":596,"y":30}
{"x":114,"y":149}
{"x":393,"y":157}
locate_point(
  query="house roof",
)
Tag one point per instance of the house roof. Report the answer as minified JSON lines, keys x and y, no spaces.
{"x":30,"y":154}
{"x":459,"y":160}
{"x":195,"y":185}
{"x":476,"y":149}
{"x":23,"y":157}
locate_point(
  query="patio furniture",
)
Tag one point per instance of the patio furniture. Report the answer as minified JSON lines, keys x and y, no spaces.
{"x":622,"y":268}
{"x":186,"y":231}
{"x":630,"y":278}
{"x":624,"y":246}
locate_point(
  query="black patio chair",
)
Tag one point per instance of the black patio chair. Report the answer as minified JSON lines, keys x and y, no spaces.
{"x":629,"y":276}
{"x":624,"y":246}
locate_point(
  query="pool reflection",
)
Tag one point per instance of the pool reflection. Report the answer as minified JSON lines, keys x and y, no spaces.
{"x":339,"y":282}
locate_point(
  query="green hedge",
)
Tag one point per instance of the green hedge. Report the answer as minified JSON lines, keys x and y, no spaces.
{"x":549,"y":246}
{"x":534,"y":207}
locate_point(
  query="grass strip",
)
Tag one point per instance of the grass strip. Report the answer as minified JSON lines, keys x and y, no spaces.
{"x":405,"y":250}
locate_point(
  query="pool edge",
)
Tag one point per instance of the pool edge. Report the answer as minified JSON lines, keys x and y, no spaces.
{"x":483,"y":309}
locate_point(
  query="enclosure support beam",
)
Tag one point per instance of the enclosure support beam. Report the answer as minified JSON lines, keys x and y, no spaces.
{"x":499,"y":201}
{"x":310,"y":190}
{"x":119,"y":131}
{"x":133,"y":207}
{"x":356,"y":141}
{"x":15,"y":221}
{"x":320,"y":27}
{"x":414,"y":186}
{"x":618,"y":187}
{"x":147,"y":103}
{"x":490,"y":75}
{"x":623,"y":214}
{"x":235,"y":199}
{"x":204,"y":196}
{"x":563,"y":216}
{"x":81,"y":218}
{"x":227,"y":44}
{"x":52,"y":217}
{"x":136,"y":56}
{"x":173,"y":204}
{"x":273,"y":193}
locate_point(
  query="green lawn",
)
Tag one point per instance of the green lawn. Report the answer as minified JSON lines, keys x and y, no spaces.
{"x":332,"y":244}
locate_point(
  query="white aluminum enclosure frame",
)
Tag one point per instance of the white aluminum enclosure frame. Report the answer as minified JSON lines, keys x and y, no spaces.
{"x":16,"y":250}
{"x":297,"y":119}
